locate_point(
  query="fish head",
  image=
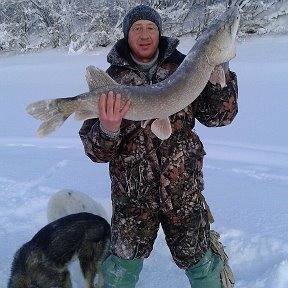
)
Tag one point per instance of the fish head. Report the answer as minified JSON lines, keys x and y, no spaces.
{"x":221,"y":38}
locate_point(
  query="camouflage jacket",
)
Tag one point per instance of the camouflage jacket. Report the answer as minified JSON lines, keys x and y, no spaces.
{"x":144,"y":170}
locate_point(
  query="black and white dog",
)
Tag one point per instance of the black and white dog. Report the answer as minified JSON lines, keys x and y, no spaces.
{"x":43,"y":261}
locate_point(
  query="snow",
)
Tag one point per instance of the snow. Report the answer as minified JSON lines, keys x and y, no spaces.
{"x":245,"y":167}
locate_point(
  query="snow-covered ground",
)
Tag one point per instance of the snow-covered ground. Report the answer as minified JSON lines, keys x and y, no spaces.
{"x":246,"y":167}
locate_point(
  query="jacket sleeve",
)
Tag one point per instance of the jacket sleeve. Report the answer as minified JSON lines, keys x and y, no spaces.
{"x":97,"y":146}
{"x":217,"y":106}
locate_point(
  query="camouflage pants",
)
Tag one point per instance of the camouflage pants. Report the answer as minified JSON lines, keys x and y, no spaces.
{"x":186,"y":229}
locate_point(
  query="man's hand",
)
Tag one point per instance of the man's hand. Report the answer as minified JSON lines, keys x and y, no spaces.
{"x":220,"y":74}
{"x":225,"y":67}
{"x":110,"y":111}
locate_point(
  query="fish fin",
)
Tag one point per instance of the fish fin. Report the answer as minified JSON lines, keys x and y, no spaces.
{"x":51,"y":125}
{"x":144,"y":123}
{"x":85,"y":114}
{"x":48,"y":111}
{"x":218,"y":76}
{"x":97,"y":78}
{"x":161,"y":128}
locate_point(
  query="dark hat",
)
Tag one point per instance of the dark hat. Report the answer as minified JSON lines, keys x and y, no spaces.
{"x":141,"y":12}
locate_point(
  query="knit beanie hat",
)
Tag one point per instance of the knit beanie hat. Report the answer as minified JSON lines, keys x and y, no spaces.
{"x":141,"y":12}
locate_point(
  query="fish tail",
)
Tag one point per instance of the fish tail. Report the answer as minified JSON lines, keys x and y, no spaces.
{"x":50,"y":113}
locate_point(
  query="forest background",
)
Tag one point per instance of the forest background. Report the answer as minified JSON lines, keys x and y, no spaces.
{"x":83,"y":25}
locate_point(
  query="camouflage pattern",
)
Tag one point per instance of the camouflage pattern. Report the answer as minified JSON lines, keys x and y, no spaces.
{"x":156,"y":182}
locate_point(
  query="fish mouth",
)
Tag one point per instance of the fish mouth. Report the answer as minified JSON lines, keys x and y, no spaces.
{"x":236,"y":23}
{"x":235,"y":19}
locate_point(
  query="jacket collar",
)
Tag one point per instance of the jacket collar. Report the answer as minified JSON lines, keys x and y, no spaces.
{"x":120,"y":52}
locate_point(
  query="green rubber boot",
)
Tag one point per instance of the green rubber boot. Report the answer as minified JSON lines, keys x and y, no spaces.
{"x":121,"y":273}
{"x":206,"y":273}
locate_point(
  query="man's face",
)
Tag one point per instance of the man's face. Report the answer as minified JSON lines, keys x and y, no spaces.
{"x":143,"y":39}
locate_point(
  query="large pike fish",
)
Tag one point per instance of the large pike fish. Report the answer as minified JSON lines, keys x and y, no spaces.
{"x":153,"y":102}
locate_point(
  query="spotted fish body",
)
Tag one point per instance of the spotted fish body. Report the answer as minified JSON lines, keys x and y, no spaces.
{"x":158,"y":101}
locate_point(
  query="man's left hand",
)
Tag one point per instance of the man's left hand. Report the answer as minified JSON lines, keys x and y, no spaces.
{"x":219,"y":74}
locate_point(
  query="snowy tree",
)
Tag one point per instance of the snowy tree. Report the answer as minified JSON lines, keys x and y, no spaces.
{"x":258,"y":15}
{"x":85,"y":24}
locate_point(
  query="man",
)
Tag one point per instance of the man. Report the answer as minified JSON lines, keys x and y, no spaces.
{"x":156,"y":182}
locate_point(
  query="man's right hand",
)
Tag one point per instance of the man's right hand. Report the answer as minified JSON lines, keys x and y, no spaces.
{"x":110,"y":111}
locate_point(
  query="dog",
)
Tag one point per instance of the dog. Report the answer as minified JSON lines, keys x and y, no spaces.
{"x":68,"y":201}
{"x":43,"y":261}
